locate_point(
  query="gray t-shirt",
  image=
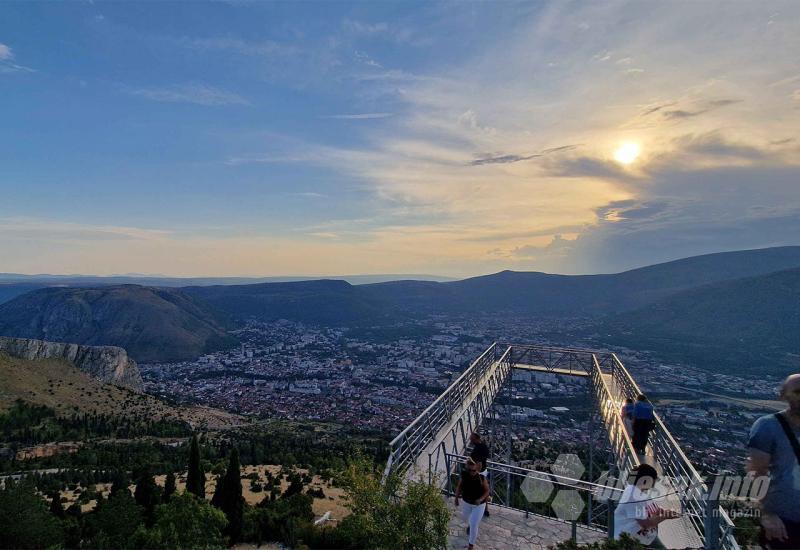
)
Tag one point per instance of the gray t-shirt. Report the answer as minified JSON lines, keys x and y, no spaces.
{"x":783,"y":495}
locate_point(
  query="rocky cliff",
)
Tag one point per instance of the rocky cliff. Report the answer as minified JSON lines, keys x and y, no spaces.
{"x":108,"y":364}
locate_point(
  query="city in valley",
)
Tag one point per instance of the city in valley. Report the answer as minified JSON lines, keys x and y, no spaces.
{"x":381,"y":378}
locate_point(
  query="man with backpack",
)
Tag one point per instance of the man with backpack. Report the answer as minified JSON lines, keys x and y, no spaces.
{"x":774,"y":450}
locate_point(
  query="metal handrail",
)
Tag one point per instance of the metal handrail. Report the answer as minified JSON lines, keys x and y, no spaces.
{"x":620,"y":439}
{"x":409,"y":443}
{"x":600,"y":520}
{"x":676,"y":464}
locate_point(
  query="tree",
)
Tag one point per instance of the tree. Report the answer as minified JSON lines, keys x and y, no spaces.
{"x":195,"y":477}
{"x":231,"y":501}
{"x":115,"y":521}
{"x":169,"y":487}
{"x":146,"y":494}
{"x":56,"y":508}
{"x":119,"y":482}
{"x":187,"y":522}
{"x":396,"y":513}
{"x":25,"y":521}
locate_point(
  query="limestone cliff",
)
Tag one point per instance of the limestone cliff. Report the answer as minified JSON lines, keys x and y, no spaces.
{"x":108,"y":364}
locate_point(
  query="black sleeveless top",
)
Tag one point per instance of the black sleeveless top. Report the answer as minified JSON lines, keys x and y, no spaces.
{"x":471,"y":487}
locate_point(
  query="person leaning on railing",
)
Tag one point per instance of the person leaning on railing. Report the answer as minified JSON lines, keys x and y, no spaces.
{"x":774,"y":450}
{"x":637,"y":514}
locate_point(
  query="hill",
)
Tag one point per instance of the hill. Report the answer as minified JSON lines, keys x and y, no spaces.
{"x":151,"y":324}
{"x":746,"y":322}
{"x":56,"y":384}
{"x":108,"y":364}
{"x":507,"y":292}
{"x":15,"y":284}
{"x":324,"y":301}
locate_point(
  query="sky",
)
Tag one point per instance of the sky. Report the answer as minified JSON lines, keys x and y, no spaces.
{"x":450,"y":138}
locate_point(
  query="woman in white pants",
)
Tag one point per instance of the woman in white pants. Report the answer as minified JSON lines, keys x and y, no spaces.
{"x":474,"y":489}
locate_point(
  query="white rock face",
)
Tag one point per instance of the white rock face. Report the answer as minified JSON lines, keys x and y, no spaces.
{"x":108,"y":364}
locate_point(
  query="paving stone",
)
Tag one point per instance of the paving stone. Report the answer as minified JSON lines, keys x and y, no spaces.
{"x":509,"y":529}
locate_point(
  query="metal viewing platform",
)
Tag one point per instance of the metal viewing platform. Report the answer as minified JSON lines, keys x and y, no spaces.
{"x":433,"y":448}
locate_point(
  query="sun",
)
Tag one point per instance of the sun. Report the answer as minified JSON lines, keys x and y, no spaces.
{"x":627,"y":153}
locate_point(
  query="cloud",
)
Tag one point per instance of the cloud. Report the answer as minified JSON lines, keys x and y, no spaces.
{"x":33,"y":229}
{"x":502,"y":159}
{"x":498,"y":158}
{"x":7,"y":65}
{"x":715,"y":144}
{"x":198,"y":94}
{"x":359,"y":116}
{"x":359,"y":27}
{"x":697,"y":108}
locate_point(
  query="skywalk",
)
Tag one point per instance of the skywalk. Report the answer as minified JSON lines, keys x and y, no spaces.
{"x":431,"y":447}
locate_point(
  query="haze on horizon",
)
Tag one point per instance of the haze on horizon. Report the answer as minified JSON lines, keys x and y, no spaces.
{"x":258,"y":139}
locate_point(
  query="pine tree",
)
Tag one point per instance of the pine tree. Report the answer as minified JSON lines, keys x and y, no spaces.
{"x":56,"y":508}
{"x":195,"y":477}
{"x":218,"y":498}
{"x":231,"y":499}
{"x":169,"y":487}
{"x":146,"y":494}
{"x":119,"y":482}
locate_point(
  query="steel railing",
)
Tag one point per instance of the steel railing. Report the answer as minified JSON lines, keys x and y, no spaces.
{"x":587,"y":504}
{"x":709,"y":519}
{"x":411,"y":443}
{"x":625,"y":457}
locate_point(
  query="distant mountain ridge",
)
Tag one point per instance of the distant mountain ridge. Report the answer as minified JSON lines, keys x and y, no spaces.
{"x":16,"y":284}
{"x":520,"y":293}
{"x":753,"y":320}
{"x":150,"y":324}
{"x":168,"y":324}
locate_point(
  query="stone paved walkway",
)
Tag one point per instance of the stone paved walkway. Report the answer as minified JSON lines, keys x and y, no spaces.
{"x":508,"y":529}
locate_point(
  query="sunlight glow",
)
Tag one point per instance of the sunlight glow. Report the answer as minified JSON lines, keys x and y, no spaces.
{"x":627,"y":153}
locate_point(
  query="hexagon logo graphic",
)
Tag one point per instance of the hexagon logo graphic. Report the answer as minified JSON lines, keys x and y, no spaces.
{"x":569,"y":466}
{"x":536,"y":489}
{"x":568,"y":505}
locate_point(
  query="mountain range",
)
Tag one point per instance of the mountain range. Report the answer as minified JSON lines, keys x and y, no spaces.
{"x":152,"y":324}
{"x":688,"y":307}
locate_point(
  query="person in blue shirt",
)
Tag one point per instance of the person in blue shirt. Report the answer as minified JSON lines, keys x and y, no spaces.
{"x":643,"y":422}
{"x":627,"y":415}
{"x":774,"y":450}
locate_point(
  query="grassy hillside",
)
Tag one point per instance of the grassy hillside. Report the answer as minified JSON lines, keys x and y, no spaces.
{"x":754,"y":321}
{"x":58,"y":385}
{"x":151,"y":324}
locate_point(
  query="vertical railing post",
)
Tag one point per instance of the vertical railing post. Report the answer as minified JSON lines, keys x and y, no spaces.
{"x":612,"y":506}
{"x":711,"y":519}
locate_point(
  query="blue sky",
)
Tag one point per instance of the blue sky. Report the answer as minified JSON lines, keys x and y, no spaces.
{"x":247,"y":138}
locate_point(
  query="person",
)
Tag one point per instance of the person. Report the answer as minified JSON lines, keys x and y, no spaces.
{"x":774,"y":450}
{"x":643,"y":418}
{"x":637,"y":513}
{"x":480,"y":454}
{"x":627,"y":415}
{"x":474,"y":488}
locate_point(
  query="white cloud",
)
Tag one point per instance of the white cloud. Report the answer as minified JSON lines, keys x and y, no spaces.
{"x":359,"y":116}
{"x":7,"y":64}
{"x":199,"y":94}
